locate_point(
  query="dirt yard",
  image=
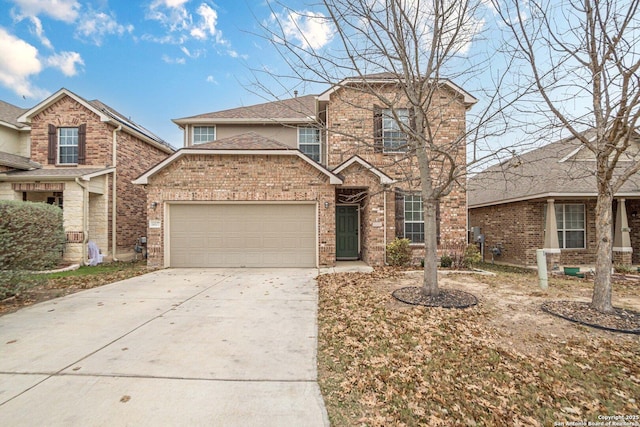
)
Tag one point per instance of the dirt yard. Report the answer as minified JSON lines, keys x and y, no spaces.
{"x":503,"y":362}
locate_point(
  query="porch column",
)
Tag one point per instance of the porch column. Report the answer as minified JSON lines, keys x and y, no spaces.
{"x":551,"y":245}
{"x":622,"y":249}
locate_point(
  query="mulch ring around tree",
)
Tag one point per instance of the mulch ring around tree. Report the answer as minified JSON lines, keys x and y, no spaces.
{"x":446,"y":298}
{"x":621,"y":320}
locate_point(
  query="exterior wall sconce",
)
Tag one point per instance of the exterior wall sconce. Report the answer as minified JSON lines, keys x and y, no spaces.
{"x":326,"y":205}
{"x":154,"y":205}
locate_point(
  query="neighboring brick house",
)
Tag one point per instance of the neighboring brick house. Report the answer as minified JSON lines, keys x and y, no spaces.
{"x":551,"y":188}
{"x":304,"y":182}
{"x":74,"y":153}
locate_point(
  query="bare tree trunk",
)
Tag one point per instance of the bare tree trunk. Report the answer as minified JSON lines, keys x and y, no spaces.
{"x":601,"y":299}
{"x":430,"y":282}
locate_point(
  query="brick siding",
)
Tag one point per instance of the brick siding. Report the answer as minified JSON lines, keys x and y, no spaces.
{"x":134,"y":156}
{"x":519,"y":229}
{"x":241,"y":178}
{"x":350,"y":127}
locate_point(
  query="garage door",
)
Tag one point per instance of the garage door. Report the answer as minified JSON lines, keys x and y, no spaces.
{"x":242,"y":235}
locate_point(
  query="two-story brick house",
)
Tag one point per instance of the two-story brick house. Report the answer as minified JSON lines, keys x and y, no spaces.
{"x":302,"y":182}
{"x":82,"y":156}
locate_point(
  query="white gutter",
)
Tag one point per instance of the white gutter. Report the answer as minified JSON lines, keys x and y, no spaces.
{"x":85,"y":219}
{"x":384,"y":223}
{"x":114,"y":162}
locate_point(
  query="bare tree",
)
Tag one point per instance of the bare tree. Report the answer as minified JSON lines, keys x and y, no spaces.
{"x":424,"y":45}
{"x":586,"y":52}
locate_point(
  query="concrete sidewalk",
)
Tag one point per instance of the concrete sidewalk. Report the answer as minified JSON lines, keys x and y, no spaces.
{"x":196,"y":347}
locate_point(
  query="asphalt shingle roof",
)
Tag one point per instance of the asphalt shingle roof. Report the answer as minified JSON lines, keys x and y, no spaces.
{"x":543,"y":172}
{"x":245,"y":141}
{"x":127,"y":122}
{"x":17,"y":162}
{"x":9,"y":114}
{"x":301,"y":107}
{"x":69,"y":173}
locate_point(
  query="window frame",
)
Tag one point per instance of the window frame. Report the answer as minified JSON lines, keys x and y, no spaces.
{"x":396,"y":128}
{"x":411,"y":212}
{"x":62,"y":143}
{"x":199,"y":127}
{"x":561,"y":227}
{"x":318,"y":143}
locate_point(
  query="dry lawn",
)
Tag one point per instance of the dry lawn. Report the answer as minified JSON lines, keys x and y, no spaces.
{"x":502,"y":362}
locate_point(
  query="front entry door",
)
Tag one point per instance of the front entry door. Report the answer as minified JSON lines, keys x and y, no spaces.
{"x":347,"y":244}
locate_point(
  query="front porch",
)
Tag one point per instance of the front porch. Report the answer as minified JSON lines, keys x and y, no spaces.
{"x":81,"y":194}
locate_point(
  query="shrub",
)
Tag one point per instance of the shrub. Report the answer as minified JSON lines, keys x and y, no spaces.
{"x":31,"y":238}
{"x":623,"y":269}
{"x":446,"y":261}
{"x":399,"y":252}
{"x":472,"y":256}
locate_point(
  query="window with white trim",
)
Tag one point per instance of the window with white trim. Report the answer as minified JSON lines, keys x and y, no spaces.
{"x":309,"y":141}
{"x":413,"y":218}
{"x":67,"y":146}
{"x":570,"y":219}
{"x":393,"y":138}
{"x":202,"y":134}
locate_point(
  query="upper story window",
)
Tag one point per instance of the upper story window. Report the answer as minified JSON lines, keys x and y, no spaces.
{"x":67,"y":146}
{"x":388,"y":123}
{"x":309,"y":141}
{"x":202,"y":134}
{"x":570,"y":219}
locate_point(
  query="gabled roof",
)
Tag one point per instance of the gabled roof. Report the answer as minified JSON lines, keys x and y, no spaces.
{"x":105,"y":113}
{"x":17,"y":162}
{"x":244,"y":141}
{"x":386,"y":78}
{"x":559,"y":169}
{"x":9,"y":116}
{"x":384,"y":178}
{"x":249,"y":144}
{"x":300,"y":109}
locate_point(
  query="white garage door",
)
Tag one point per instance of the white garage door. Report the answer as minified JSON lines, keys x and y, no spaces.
{"x":242,"y":235}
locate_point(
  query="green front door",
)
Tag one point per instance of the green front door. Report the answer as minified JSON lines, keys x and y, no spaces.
{"x":347,"y":232}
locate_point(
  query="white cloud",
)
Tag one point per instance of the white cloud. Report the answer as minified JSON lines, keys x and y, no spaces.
{"x":191,"y":54}
{"x":169,"y":60}
{"x":67,"y":62}
{"x":458,"y":26}
{"x":183,"y":23}
{"x":170,"y":13}
{"x":207,"y":25}
{"x":310,"y":29}
{"x":39,"y":31}
{"x":24,"y":63}
{"x":61,"y":10}
{"x":211,"y":79}
{"x":97,"y":25}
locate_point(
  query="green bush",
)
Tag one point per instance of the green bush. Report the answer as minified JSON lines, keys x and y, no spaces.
{"x":399,"y":252}
{"x":31,"y":238}
{"x":623,"y":269}
{"x":446,"y":261}
{"x":472,"y":256}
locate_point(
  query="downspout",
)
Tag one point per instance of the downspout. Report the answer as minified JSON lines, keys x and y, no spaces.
{"x":85,"y":219}
{"x":114,"y":162}
{"x":384,"y":223}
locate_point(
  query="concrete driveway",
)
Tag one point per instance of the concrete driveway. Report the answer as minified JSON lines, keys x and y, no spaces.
{"x":192,"y":347}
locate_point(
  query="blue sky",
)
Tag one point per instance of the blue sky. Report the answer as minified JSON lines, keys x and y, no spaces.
{"x":153,"y":60}
{"x":157,"y":60}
